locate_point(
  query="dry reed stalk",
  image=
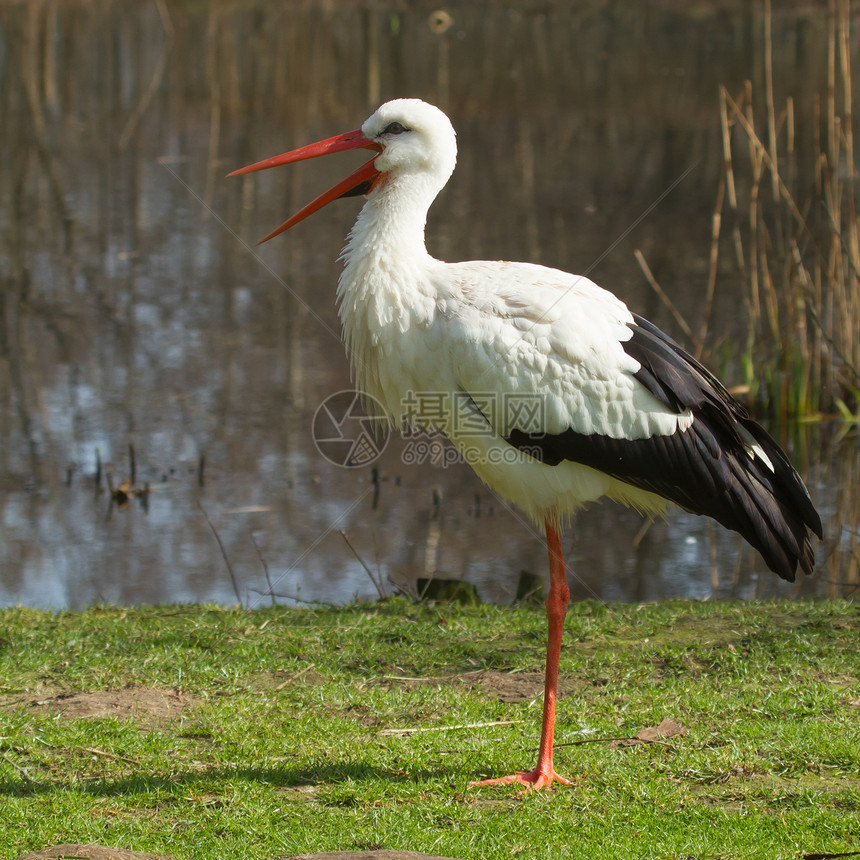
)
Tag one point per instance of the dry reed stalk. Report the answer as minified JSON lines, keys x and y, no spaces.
{"x":725,"y":123}
{"x":845,"y":57}
{"x":649,"y":275}
{"x":716,"y":225}
{"x":768,"y":77}
{"x":756,"y":155}
{"x":759,"y":152}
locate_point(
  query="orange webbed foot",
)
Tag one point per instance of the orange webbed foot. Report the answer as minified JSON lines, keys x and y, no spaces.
{"x":533,"y":780}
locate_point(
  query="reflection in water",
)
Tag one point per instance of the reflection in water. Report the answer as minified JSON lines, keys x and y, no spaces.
{"x":135,"y":311}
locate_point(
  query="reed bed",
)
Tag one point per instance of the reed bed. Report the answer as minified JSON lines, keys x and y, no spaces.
{"x":793,"y":237}
{"x":788,"y":194}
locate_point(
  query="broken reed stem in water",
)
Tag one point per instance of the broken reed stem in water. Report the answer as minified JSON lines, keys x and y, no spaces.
{"x":376,"y":582}
{"x":224,"y":555}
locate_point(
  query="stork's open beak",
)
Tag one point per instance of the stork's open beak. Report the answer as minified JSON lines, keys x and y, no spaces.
{"x":358,"y":182}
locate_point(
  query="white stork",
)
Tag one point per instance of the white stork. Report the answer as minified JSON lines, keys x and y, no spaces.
{"x":623,"y":411}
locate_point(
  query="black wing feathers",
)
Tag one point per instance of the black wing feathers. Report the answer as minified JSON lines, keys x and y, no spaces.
{"x":708,"y":468}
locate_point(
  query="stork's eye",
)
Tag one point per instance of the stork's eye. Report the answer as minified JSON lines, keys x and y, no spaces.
{"x":395,"y":128}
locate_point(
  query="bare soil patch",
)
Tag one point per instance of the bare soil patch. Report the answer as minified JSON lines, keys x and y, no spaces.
{"x":510,"y":687}
{"x":89,"y":852}
{"x":507,"y":686}
{"x":279,"y":679}
{"x":147,"y":705}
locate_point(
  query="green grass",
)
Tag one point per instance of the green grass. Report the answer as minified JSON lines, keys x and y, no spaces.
{"x":275,"y":739}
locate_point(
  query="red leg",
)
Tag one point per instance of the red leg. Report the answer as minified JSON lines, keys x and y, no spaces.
{"x":556,"y":608}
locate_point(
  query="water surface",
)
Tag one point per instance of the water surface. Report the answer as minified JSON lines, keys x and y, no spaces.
{"x":136,"y":311}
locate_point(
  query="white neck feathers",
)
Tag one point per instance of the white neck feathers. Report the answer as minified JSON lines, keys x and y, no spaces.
{"x":386,"y":288}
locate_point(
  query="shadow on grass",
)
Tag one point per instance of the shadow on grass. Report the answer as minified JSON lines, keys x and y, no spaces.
{"x":325,"y":776}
